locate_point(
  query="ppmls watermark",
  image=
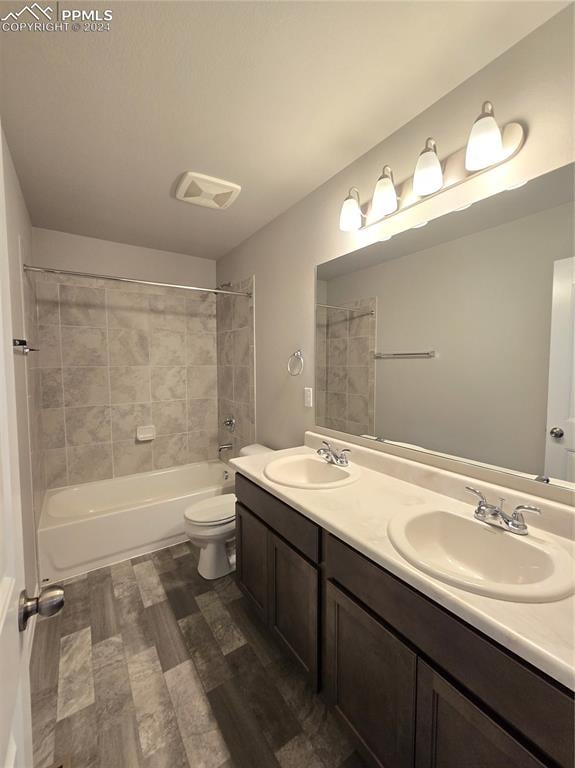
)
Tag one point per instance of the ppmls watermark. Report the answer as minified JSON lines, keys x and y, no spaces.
{"x":43,"y":18}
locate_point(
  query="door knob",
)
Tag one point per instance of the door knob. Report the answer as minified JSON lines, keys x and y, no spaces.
{"x":49,"y":602}
{"x":556,"y":432}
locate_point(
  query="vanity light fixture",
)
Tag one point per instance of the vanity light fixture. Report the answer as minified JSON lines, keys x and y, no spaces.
{"x":351,"y":214}
{"x":384,"y":200}
{"x":428,"y":176}
{"x":485,"y":144}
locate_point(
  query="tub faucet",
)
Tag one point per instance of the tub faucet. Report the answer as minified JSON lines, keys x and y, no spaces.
{"x":224,"y":447}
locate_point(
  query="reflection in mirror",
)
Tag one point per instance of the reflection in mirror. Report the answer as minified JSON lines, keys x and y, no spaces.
{"x":457,"y":338}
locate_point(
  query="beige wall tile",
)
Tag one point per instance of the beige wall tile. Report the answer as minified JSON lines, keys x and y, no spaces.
{"x":84,"y":346}
{"x":48,"y":303}
{"x":130,"y":384}
{"x":168,"y":382}
{"x":131,"y":457}
{"x":87,"y":463}
{"x":126,"y":418}
{"x":201,"y":315}
{"x":169,"y":417}
{"x":53,"y":431}
{"x":202,"y":381}
{"x":241,"y":342}
{"x":226,"y":382}
{"x":50,"y":355}
{"x":88,"y":425}
{"x":128,"y":347}
{"x":358,"y":409}
{"x":168,"y":348}
{"x":242,"y":383}
{"x":358,"y":380}
{"x":225,"y":343}
{"x":171,"y":450}
{"x":168,"y":313}
{"x":82,"y":306}
{"x":86,"y":386}
{"x":242,"y":312}
{"x":202,"y":415}
{"x":202,"y":349}
{"x":52,"y":387}
{"x":128,"y":309}
{"x":55,"y":468}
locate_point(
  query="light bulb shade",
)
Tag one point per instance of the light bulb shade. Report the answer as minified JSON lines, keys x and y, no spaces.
{"x":428,"y":176}
{"x":384,"y":200}
{"x":350,"y":215}
{"x":485,"y":145}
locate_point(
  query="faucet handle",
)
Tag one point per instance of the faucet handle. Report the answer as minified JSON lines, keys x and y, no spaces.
{"x":477,"y":493}
{"x":327,"y":445}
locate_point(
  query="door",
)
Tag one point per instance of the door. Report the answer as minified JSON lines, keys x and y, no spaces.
{"x":370,"y":681}
{"x":293,"y":603}
{"x":560,"y":446}
{"x":453,"y":732}
{"x":252,"y":560}
{"x":15,"y":719}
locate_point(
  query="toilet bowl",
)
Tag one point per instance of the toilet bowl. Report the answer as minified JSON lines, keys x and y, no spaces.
{"x":211,"y":524}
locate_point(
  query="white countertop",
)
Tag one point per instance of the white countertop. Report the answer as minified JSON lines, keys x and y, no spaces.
{"x":358,"y":514}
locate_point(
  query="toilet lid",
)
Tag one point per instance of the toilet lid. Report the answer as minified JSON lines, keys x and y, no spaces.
{"x":216,"y":509}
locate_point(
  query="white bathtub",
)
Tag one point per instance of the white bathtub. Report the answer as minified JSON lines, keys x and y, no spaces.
{"x":89,"y":526}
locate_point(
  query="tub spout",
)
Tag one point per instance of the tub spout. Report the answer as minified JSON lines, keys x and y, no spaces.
{"x":224,"y":447}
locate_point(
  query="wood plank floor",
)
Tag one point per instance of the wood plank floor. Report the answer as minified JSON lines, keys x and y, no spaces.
{"x":150,"y":666}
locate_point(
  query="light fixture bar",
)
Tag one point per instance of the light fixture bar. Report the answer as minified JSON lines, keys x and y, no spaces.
{"x":514,"y":136}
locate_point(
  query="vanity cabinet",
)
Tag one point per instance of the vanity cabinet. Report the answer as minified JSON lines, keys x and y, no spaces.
{"x":415,"y":686}
{"x":370,"y":681}
{"x":277,"y":570}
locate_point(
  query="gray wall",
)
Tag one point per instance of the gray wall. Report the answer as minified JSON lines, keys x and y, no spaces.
{"x":532,"y":82}
{"x":483,"y":302}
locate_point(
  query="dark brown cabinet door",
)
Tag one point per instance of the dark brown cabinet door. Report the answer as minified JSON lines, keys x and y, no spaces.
{"x":252,"y":559}
{"x":293,"y":603}
{"x":453,"y":732}
{"x":371,"y":681}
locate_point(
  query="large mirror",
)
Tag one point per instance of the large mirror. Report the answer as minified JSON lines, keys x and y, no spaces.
{"x":457,"y":337}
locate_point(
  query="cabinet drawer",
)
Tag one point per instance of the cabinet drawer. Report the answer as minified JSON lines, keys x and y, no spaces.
{"x":537,"y":707}
{"x":291,"y":525}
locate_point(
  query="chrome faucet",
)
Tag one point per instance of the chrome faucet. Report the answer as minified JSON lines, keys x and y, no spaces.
{"x":332,"y":456}
{"x":495,"y":515}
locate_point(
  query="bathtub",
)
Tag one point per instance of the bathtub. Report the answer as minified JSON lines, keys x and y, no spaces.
{"x":89,"y":526}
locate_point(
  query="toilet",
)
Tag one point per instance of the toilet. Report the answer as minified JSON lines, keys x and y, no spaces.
{"x":211,"y":525}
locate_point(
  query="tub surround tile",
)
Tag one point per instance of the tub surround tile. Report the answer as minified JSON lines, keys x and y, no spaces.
{"x":87,"y":425}
{"x":169,"y":417}
{"x":202,"y":414}
{"x":56,"y":468}
{"x":202,"y":381}
{"x":202,"y":349}
{"x":87,"y":463}
{"x":52,"y":387}
{"x":53,"y":428}
{"x":75,"y":679}
{"x":127,"y":417}
{"x":168,"y":382}
{"x":50,"y":355}
{"x":226,"y":382}
{"x":128,"y":309}
{"x":48,"y":303}
{"x":82,"y":306}
{"x":132,"y":457}
{"x":168,"y":348}
{"x":168,"y":313}
{"x":242,"y":340}
{"x":130,"y":384}
{"x":170,"y":451}
{"x":84,"y":346}
{"x":128,"y":347}
{"x":86,"y":386}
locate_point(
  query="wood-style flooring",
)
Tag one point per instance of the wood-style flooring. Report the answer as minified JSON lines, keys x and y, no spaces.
{"x":150,"y":666}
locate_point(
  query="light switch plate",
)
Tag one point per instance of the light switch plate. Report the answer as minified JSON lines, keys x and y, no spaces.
{"x":308,"y":397}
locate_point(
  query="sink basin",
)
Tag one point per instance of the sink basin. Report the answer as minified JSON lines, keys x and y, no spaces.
{"x":309,"y":472}
{"x":483,"y":559}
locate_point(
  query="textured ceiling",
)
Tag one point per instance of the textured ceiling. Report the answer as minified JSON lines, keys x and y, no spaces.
{"x":275,"y":96}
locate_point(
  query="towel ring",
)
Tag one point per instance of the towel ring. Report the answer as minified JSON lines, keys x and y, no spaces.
{"x":295,"y":363}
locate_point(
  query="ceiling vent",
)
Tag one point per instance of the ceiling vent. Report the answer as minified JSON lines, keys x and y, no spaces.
{"x":207,"y":191}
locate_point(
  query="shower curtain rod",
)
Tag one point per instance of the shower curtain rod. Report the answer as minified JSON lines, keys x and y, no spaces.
{"x":348,"y":309}
{"x":53,"y":271}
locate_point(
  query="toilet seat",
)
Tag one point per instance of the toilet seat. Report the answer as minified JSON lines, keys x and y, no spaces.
{"x":216,"y":510}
